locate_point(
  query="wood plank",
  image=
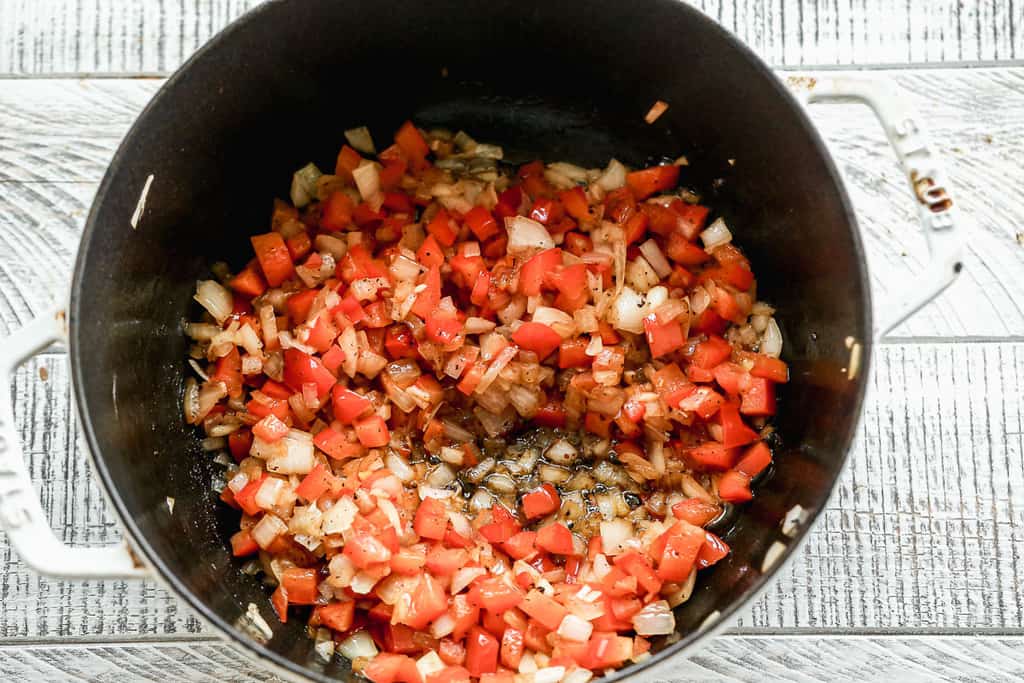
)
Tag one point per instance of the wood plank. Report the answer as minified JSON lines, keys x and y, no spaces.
{"x":724,"y":659}
{"x":925,"y":530}
{"x":54,"y":133}
{"x":156,"y":36}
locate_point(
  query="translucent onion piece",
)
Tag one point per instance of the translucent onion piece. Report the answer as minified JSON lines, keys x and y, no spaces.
{"x":716,"y":234}
{"x":217,"y":300}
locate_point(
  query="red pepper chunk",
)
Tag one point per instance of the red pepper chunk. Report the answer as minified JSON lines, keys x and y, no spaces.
{"x":663,"y":338}
{"x":301,"y":368}
{"x":482,"y":223}
{"x":481,"y":652}
{"x":392,"y":668}
{"x":431,"y":520}
{"x":336,"y":212}
{"x":651,"y":180}
{"x":555,"y":538}
{"x":413,"y":146}
{"x":537,"y":337}
{"x":494,"y":594}
{"x":373,"y":432}
{"x":541,"y":502}
{"x":270,"y":429}
{"x":272,"y":254}
{"x":337,"y":616}
{"x":300,"y":585}
{"x":536,"y":270}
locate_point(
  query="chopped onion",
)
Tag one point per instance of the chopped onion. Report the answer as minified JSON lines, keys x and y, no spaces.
{"x":324,"y":644}
{"x":655,"y":619}
{"x":557,"y":319}
{"x":615,"y":534}
{"x":526,"y":237}
{"x":443,"y":625}
{"x":628,"y":311}
{"x":304,"y":182}
{"x":358,"y":645}
{"x":367,"y":177}
{"x":292,"y":454}
{"x":640,"y":275}
{"x":465,"y":576}
{"x":683,"y":593}
{"x":652,"y":252}
{"x":339,"y":517}
{"x":209,"y":394}
{"x":270,"y":489}
{"x":461,"y":524}
{"x":527,"y":665}
{"x":267,"y":530}
{"x":361,"y":140}
{"x":429,"y":663}
{"x":440,"y":477}
{"x":715,"y":235}
{"x":399,"y":467}
{"x":215,"y":299}
{"x":202,"y":332}
{"x":771,"y":342}
{"x":481,"y":500}
{"x":574,"y":628}
{"x":614,"y":176}
{"x":578,"y":676}
{"x":562,"y":452}
{"x":551,"y":674}
{"x":363,"y":582}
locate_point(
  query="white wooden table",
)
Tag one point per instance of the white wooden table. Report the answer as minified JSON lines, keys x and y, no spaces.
{"x":914,"y":571}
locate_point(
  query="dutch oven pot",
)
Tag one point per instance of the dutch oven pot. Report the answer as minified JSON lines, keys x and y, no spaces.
{"x":558,"y":80}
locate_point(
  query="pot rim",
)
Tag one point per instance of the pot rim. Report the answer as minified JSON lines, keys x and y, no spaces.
{"x":294,"y":671}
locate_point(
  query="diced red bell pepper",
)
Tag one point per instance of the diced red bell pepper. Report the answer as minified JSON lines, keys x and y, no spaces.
{"x":577,"y":243}
{"x":536,"y":269}
{"x":240,"y":442}
{"x":301,"y":368}
{"x":373,"y":432}
{"x":672,"y":385}
{"x":770,"y":368}
{"x":521,"y":545}
{"x":663,"y":338}
{"x":619,"y":205}
{"x":685,"y":252}
{"x":731,"y":377}
{"x":758,"y":398}
{"x":335,"y":445}
{"x":228,"y":369}
{"x":365,"y":549}
{"x":451,"y":674}
{"x":348,"y":161}
{"x":300,"y":585}
{"x":712,"y":456}
{"x":734,"y":431}
{"x":248,"y":282}
{"x":713,"y":550}
{"x":431,"y":519}
{"x":337,"y":616}
{"x":430,"y":253}
{"x":680,"y":554}
{"x":275,"y":261}
{"x":734,"y":486}
{"x":429,"y":601}
{"x":607,"y":650}
{"x":336,"y":212}
{"x":711,"y":352}
{"x":448,"y":332}
{"x":635,"y":564}
{"x":695,"y":511}
{"x":270,"y":429}
{"x":575,"y":202}
{"x":481,"y":652}
{"x":572,"y":353}
{"x":391,"y":668}
{"x":399,"y":342}
{"x":279,"y":601}
{"x":651,"y":180}
{"x":482,"y":223}
{"x":413,"y":146}
{"x":442,"y":229}
{"x":347,"y":405}
{"x":512,"y":648}
{"x":537,"y":337}
{"x":444,"y":561}
{"x":543,"y":609}
{"x":428,"y":300}
{"x":541,"y":502}
{"x":551,"y":414}
{"x":315,"y":484}
{"x":242,"y":544}
{"x":494,"y":595}
{"x":555,"y":538}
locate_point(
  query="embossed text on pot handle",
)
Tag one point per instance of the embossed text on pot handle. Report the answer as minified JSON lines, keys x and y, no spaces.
{"x":939,"y":214}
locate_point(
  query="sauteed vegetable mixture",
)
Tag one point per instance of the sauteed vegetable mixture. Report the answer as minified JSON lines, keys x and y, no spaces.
{"x":481,"y":415}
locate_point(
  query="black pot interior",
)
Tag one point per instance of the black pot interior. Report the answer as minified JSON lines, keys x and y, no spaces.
{"x":557,"y":80}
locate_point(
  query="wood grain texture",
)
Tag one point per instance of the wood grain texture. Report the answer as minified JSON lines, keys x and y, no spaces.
{"x":42,"y":37}
{"x":924,"y":533}
{"x":728,"y":659}
{"x":56,"y":133}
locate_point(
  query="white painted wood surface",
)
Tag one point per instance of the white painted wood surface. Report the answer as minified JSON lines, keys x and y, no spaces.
{"x":915,"y":571}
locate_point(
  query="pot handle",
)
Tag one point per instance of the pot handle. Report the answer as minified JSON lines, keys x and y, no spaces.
{"x":21,"y":513}
{"x":940,"y":220}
